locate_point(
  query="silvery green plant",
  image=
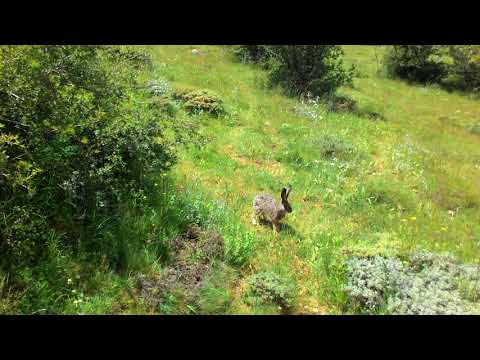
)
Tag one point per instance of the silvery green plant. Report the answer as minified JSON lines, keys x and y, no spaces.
{"x":425,"y":284}
{"x":270,"y":288}
{"x":369,"y":279}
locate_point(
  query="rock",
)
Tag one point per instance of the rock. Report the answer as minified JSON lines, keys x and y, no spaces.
{"x":195,"y":52}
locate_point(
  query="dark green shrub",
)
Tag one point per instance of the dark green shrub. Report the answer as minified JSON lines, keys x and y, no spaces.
{"x":76,"y":136}
{"x":253,"y":53}
{"x":309,"y":69}
{"x":24,"y":233}
{"x":453,"y":66}
{"x":419,"y":63}
{"x":465,"y":66}
{"x":302,"y":69}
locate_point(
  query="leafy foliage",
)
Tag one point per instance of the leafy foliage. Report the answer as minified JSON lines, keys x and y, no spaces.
{"x":76,"y":136}
{"x":253,"y":53}
{"x":466,"y":66}
{"x":452,"y":65}
{"x":420,"y":63}
{"x":303,"y":69}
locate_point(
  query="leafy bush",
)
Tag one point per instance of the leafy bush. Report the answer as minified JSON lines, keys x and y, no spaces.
{"x":270,"y":288}
{"x":253,"y":53}
{"x":465,"y":66}
{"x":314,"y":69}
{"x":426,"y":284}
{"x":76,"y":137}
{"x":303,"y":69}
{"x":422,"y":63}
{"x":24,"y":234}
{"x":456,"y":66}
{"x":196,"y":101}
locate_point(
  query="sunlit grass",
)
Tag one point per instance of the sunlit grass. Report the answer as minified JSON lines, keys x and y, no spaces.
{"x":412,"y":182}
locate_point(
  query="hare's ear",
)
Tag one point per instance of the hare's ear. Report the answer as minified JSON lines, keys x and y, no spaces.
{"x":288,"y":192}
{"x":284,"y":194}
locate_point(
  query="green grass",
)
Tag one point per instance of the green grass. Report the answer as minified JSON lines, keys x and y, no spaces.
{"x":391,"y":186}
{"x":360,"y":186}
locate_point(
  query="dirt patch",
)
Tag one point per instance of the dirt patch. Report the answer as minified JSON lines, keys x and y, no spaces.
{"x":194,"y":254}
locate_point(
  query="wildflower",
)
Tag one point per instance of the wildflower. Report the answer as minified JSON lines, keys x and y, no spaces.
{"x":69,"y":281}
{"x":413,"y":218}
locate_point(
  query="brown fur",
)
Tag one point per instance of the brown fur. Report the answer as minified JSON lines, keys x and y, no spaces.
{"x":266,"y":208}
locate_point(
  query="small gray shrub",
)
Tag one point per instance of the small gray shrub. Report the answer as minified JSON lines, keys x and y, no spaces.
{"x":334,"y":147}
{"x":270,"y":288}
{"x":425,"y":284}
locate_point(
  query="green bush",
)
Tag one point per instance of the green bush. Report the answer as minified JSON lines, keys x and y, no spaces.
{"x":419,"y":63}
{"x":76,"y":137}
{"x":303,"y":69}
{"x":465,"y":66}
{"x":454,"y":66}
{"x":253,"y":53}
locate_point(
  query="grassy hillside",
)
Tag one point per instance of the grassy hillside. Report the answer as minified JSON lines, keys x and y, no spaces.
{"x":398,"y":174}
{"x":409,"y":180}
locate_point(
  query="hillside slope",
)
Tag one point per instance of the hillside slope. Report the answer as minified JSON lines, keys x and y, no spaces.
{"x":361,"y":184}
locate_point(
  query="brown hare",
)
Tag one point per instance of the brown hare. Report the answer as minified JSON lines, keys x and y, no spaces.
{"x":267,"y":209}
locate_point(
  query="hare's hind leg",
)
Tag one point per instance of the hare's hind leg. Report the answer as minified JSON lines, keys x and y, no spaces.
{"x":276,"y":226}
{"x":254,"y":219}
